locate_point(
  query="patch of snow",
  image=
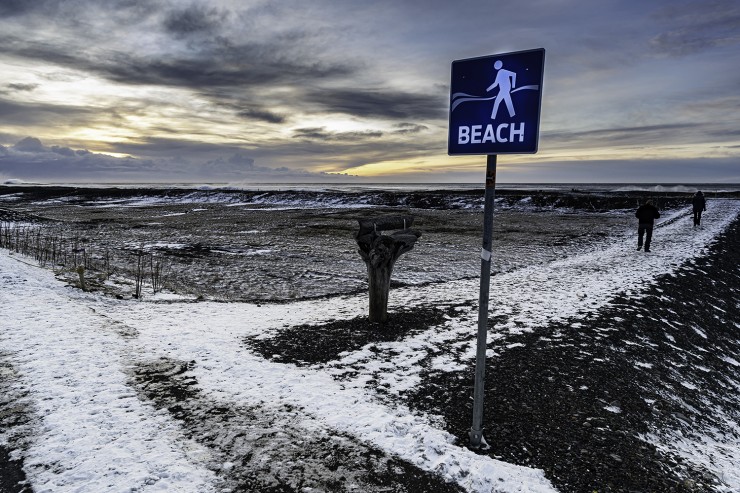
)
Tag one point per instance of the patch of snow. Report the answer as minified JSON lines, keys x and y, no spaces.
{"x":699,"y":331}
{"x":99,"y":434}
{"x":514,"y":345}
{"x":95,"y":434}
{"x":446,"y":363}
{"x":10,"y":197}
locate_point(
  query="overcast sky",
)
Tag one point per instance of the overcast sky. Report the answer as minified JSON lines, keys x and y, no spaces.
{"x":251,"y":91}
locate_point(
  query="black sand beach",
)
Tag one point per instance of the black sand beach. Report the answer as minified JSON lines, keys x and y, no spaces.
{"x":536,"y":419}
{"x":576,"y":403}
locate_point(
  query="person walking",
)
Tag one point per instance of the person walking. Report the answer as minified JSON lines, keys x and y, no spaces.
{"x":646,"y":215}
{"x":700,"y":205}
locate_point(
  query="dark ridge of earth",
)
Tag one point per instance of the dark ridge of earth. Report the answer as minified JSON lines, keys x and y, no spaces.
{"x":576,"y":199}
{"x":546,"y":400}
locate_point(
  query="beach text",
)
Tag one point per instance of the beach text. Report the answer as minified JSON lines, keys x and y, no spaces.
{"x":477,"y":134}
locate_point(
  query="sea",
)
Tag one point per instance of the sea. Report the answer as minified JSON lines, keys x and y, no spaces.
{"x":411,"y":187}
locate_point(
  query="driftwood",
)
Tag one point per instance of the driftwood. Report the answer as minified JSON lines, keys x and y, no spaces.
{"x":380,"y":253}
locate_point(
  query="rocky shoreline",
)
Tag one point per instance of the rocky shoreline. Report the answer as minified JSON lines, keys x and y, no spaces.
{"x":433,"y":199}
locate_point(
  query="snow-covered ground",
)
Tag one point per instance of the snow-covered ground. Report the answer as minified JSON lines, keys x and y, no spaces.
{"x":73,"y":355}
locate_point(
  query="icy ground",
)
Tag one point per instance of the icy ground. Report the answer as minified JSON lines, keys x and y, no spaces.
{"x":82,"y":368}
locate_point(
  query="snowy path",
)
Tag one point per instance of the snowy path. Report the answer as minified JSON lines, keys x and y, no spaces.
{"x":572,"y":288}
{"x":93,"y":429}
{"x":70,"y":352}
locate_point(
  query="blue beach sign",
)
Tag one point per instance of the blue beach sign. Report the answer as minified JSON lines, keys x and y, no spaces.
{"x":495,"y":103}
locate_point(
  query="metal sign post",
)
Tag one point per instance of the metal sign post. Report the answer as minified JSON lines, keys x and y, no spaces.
{"x":476,"y":432}
{"x":495,"y":106}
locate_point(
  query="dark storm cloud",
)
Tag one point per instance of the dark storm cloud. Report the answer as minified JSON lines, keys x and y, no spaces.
{"x":247,"y":75}
{"x":246,"y":67}
{"x":238,"y":66}
{"x":66,"y":151}
{"x":637,"y":135}
{"x":320,"y":133}
{"x":378,"y":103}
{"x":211,"y":159}
{"x":29,"y":144}
{"x":63,"y":53}
{"x":698,"y":26}
{"x":261,"y":115}
{"x":29,"y":159}
{"x":226,"y":70}
{"x":22,"y":87}
{"x":727,"y":132}
{"x":214,"y":60}
{"x":44,"y":114}
{"x":157,"y":148}
{"x":236,"y":161}
{"x":76,"y":14}
{"x":10,"y":8}
{"x":33,"y":145}
{"x":409,"y":128}
{"x":195,"y":19}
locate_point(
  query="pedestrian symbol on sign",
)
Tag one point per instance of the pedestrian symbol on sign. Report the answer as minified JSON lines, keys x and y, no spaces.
{"x":506,"y":81}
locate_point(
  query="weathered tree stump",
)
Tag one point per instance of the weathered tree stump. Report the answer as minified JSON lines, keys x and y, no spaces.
{"x":380,"y":253}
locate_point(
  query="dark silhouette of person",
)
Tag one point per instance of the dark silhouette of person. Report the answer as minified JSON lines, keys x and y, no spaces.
{"x":646,"y":215}
{"x":700,"y":205}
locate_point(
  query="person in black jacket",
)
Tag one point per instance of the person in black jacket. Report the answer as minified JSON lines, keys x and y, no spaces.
{"x":700,"y":205}
{"x":646,"y":215}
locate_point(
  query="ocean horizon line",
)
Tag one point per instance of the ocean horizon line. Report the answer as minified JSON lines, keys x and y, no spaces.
{"x":14,"y":182}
